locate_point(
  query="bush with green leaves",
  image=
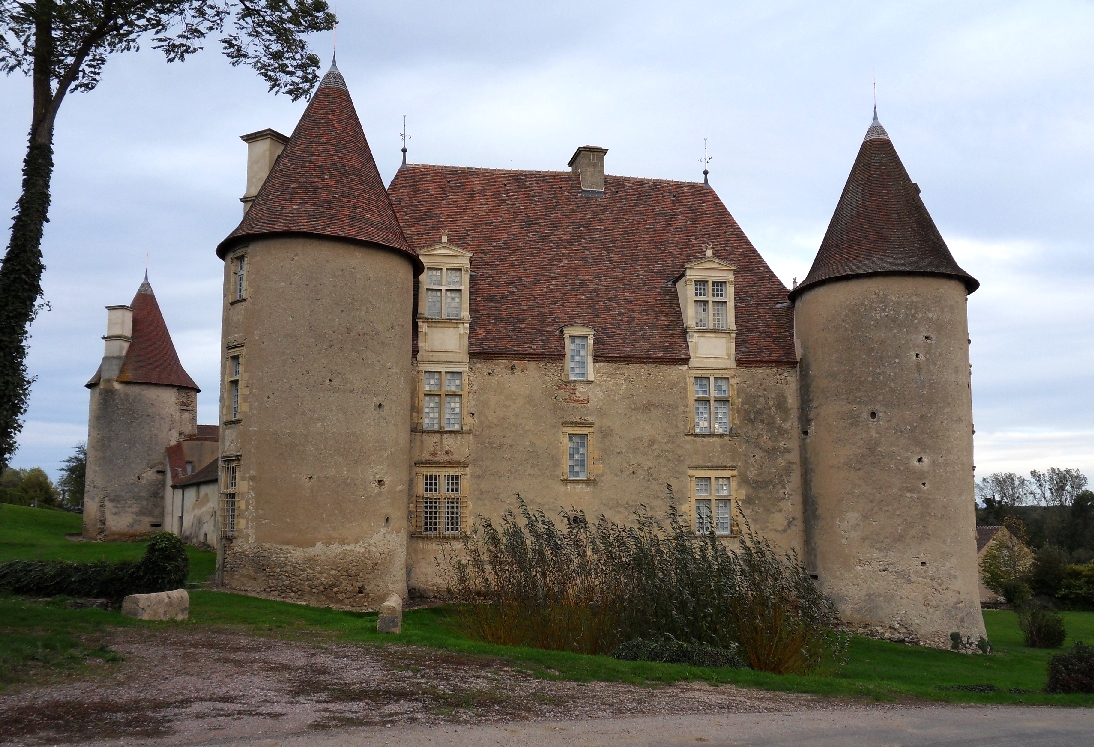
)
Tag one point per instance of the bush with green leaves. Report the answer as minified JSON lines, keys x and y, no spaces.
{"x":1077,"y":587}
{"x":163,"y":567}
{"x":668,"y":650}
{"x":1072,"y":671}
{"x":588,"y":587}
{"x":1041,"y":627}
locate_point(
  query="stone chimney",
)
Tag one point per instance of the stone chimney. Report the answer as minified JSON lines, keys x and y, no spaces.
{"x":588,"y":164}
{"x":263,"y":148}
{"x":119,"y":333}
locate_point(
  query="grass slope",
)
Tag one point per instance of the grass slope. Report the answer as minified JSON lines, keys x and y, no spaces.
{"x":39,"y":534}
{"x":34,"y":636}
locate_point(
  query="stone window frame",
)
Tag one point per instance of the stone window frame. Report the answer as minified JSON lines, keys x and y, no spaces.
{"x":238,"y":290}
{"x":229,"y":504}
{"x":443,"y":370}
{"x":592,"y":461}
{"x":568,"y":333}
{"x":443,"y":472}
{"x":710,"y":375}
{"x":233,"y":385}
{"x":713,"y":474}
{"x":444,"y":257}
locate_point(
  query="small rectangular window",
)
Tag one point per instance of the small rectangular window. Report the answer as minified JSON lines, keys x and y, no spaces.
{"x":711,"y":409}
{"x":720,"y":317}
{"x":454,"y":278}
{"x":723,"y":517}
{"x":718,"y":289}
{"x":240,"y":273}
{"x":579,"y":358}
{"x":233,"y":366}
{"x":702,"y":386}
{"x":449,"y":401}
{"x":433,"y":303}
{"x":701,"y":317}
{"x":229,"y":475}
{"x":702,"y":486}
{"x":702,"y":516}
{"x":433,"y":278}
{"x":453,"y":381}
{"x":431,"y":413}
{"x":453,"y":304}
{"x":233,"y":387}
{"x":440,"y":512}
{"x":702,"y":416}
{"x":713,"y":504}
{"x":577,"y":456}
{"x":452,"y":418}
{"x":700,"y":288}
{"x":432,"y":381}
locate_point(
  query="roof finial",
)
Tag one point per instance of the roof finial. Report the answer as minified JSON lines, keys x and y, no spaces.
{"x":710,"y":250}
{"x":705,"y":160}
{"x":147,"y":263}
{"x":875,"y":99}
{"x":334,"y":45}
{"x":404,"y":138}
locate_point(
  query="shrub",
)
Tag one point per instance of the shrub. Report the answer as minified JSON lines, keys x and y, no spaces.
{"x":1047,"y":575}
{"x":1077,"y":588}
{"x":1041,"y":627}
{"x":163,"y":567}
{"x":589,"y":587}
{"x":671,"y":651}
{"x":1072,"y":671}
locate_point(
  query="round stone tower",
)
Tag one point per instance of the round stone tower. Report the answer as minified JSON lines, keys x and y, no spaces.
{"x":882,"y":335}
{"x":317,"y":380}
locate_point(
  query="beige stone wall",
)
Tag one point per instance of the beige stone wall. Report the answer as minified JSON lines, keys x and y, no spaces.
{"x":640,"y":414}
{"x":129,"y":426}
{"x":323,"y":436}
{"x":888,"y":481}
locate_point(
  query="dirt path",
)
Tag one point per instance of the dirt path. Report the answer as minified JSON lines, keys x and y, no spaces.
{"x":181,"y":686}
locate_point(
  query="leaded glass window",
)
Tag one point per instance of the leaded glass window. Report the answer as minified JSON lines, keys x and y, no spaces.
{"x":711,"y":397}
{"x":577,"y":456}
{"x":579,"y":357}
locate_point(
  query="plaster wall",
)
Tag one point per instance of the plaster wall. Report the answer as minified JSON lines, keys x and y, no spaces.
{"x":323,"y":433}
{"x":887,"y":445}
{"x":129,"y":426}
{"x":193,"y":513}
{"x":514,"y":442}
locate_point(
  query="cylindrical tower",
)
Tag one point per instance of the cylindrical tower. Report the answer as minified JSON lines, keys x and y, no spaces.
{"x":882,"y":335}
{"x":317,"y":385}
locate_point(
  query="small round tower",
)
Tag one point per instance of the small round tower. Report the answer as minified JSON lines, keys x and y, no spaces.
{"x":317,"y":382}
{"x":882,"y":335}
{"x":142,"y":401}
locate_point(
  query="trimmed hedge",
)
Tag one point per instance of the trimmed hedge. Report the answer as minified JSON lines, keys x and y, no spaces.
{"x":672,"y":651}
{"x":164,"y":567}
{"x":1072,"y":671}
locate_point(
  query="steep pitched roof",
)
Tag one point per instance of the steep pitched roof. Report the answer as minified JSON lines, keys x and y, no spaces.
{"x":209,"y":473}
{"x":325,"y":182}
{"x":881,"y":225}
{"x":151,"y":357}
{"x":984,"y":535}
{"x":546,"y":256}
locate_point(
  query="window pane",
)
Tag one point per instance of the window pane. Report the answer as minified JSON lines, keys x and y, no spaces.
{"x":721,"y":486}
{"x":701,"y":320}
{"x":452,"y":516}
{"x":702,"y":486}
{"x":722,"y":518}
{"x":433,"y":278}
{"x":702,"y":416}
{"x":454,"y":278}
{"x":432,"y":381}
{"x":433,"y":304}
{"x":431,"y":483}
{"x":577,"y":454}
{"x":721,"y":386}
{"x":240,"y":268}
{"x":453,"y":305}
{"x":230,"y":476}
{"x":453,"y":381}
{"x":452,"y":419}
{"x":702,"y":386}
{"x":702,"y":516}
{"x":431,"y":412}
{"x":452,"y":484}
{"x":235,"y":366}
{"x":233,"y":396}
{"x":721,"y":315}
{"x":721,"y":416}
{"x":718,"y":289}
{"x":431,"y":510}
{"x":579,"y":358}
{"x":700,"y":289}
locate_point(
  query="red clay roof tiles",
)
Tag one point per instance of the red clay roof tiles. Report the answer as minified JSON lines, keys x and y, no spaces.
{"x":546,"y":256}
{"x":325,"y":182}
{"x":881,"y":225}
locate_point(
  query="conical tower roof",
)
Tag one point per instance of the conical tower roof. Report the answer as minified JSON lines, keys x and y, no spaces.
{"x":881,"y":225}
{"x":325,"y":182}
{"x":151,"y":357}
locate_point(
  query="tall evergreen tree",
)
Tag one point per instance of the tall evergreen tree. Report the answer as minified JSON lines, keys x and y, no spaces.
{"x":63,"y":45}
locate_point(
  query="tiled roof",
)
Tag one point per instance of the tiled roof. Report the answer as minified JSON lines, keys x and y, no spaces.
{"x":151,"y":357}
{"x":209,"y":473}
{"x":325,"y":182}
{"x":207,"y":433}
{"x":546,"y":256}
{"x":881,"y":225}
{"x":984,"y":535}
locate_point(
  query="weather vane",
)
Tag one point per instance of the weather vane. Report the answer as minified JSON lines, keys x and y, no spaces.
{"x":705,"y":160}
{"x":404,"y":137}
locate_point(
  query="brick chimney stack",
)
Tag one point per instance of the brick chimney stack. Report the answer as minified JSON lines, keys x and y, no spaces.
{"x":588,"y":164}
{"x":263,"y":148}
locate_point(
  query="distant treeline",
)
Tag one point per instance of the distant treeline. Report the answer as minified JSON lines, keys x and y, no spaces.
{"x":32,"y":487}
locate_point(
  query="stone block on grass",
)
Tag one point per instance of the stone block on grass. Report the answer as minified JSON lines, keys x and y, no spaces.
{"x":163,"y":605}
{"x":391,"y":615}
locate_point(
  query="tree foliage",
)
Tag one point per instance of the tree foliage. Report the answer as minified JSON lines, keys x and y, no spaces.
{"x":28,"y":487}
{"x":1007,"y":563}
{"x":1057,"y":487}
{"x":73,"y":476}
{"x":63,"y":45}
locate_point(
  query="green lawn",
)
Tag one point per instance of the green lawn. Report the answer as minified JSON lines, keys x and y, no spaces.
{"x":35,"y":635}
{"x":39,"y":534}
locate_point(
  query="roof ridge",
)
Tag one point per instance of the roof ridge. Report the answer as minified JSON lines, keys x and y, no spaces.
{"x":550,"y":171}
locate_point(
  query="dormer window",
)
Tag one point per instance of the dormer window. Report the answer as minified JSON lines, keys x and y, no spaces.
{"x":444,"y":293}
{"x":711,"y":304}
{"x":579,"y":353}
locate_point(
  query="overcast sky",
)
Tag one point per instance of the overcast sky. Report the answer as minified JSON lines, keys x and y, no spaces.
{"x":990,"y":105}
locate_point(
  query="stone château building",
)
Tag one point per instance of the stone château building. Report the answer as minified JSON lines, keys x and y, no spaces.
{"x":400,"y":360}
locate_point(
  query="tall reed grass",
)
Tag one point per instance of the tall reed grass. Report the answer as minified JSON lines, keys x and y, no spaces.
{"x":588,"y":586}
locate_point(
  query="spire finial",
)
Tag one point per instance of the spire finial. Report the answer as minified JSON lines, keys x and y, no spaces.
{"x":875,"y":100}
{"x":705,"y":160}
{"x":404,"y":138}
{"x":147,"y":263}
